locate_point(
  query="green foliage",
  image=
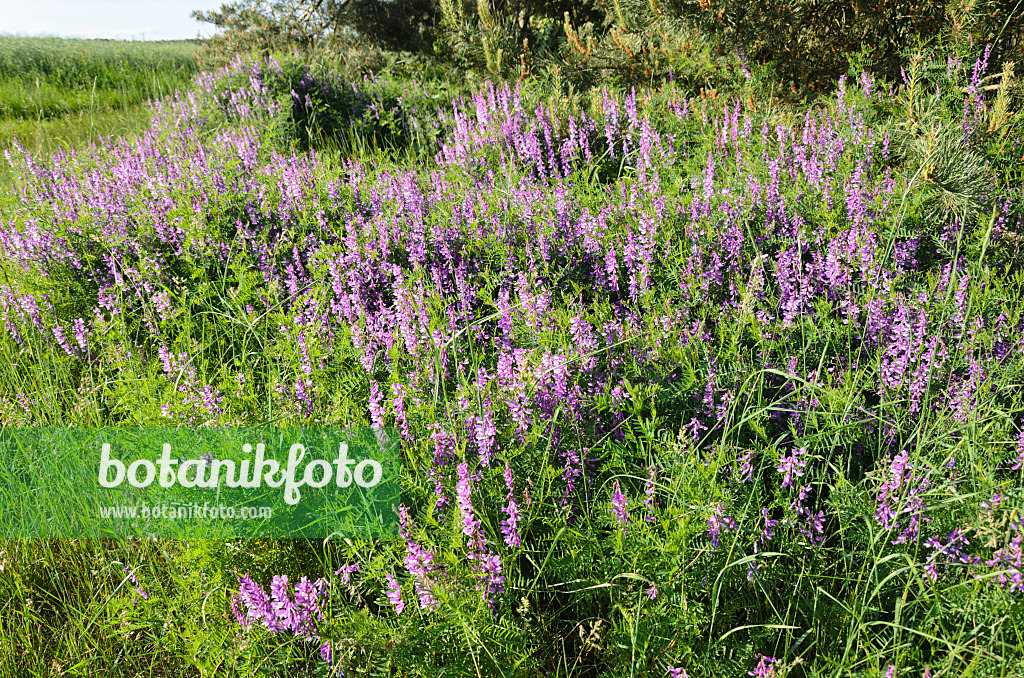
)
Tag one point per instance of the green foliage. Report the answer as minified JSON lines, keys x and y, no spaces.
{"x":803,"y":45}
{"x":263,"y":26}
{"x":808,"y":40}
{"x":267,"y":26}
{"x":509,"y":38}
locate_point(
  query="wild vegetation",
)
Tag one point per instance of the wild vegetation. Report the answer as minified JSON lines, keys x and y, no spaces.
{"x":691,"y":381}
{"x":56,"y":92}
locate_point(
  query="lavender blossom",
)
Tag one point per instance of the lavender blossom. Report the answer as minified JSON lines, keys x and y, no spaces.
{"x":764,"y":668}
{"x":394,"y":593}
{"x":346,"y":572}
{"x":649,"y":489}
{"x":719,"y":522}
{"x":464,"y":499}
{"x":509,"y":526}
{"x":135,"y":582}
{"x":792,"y":466}
{"x":619,"y":503}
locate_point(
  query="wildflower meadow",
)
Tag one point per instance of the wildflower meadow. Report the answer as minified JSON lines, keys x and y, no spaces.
{"x":686,"y":385}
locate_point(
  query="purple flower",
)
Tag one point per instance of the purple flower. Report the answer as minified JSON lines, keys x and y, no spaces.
{"x":791,"y":466}
{"x":764,"y":668}
{"x":814,"y":528}
{"x":444,"y":445}
{"x":463,"y":497}
{"x":992,"y":504}
{"x":394,"y":593}
{"x":718,"y":522}
{"x":257,"y":604}
{"x":649,"y":489}
{"x":767,"y":534}
{"x":133,"y":580}
{"x":1019,"y":461}
{"x":619,"y":503}
{"x":509,"y":526}
{"x":484,"y":432}
{"x":306,"y":610}
{"x":901,"y":495}
{"x":419,"y":562}
{"x":747,"y":466}
{"x":401,"y":418}
{"x":284,"y":609}
{"x":240,"y":614}
{"x":346,"y":572}
{"x":489,"y":572}
{"x":952,"y":551}
{"x":376,"y":406}
{"x":741,"y":55}
{"x":281,"y":612}
{"x":1010,"y":563}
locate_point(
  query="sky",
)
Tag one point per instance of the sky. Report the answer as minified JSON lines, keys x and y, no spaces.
{"x":118,"y":19}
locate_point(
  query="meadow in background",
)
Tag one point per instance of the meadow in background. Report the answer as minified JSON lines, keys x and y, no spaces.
{"x":688,"y":385}
{"x":64,"y":93}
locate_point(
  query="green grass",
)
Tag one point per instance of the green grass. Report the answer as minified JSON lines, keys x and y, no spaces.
{"x":61,"y":93}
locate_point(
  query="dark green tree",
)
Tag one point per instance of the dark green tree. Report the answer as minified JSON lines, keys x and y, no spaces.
{"x":285,"y":25}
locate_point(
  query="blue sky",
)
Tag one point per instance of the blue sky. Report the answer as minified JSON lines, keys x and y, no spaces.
{"x":121,"y":19}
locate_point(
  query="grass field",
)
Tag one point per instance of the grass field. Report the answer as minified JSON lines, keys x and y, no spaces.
{"x":64,"y":93}
{"x":686,"y":386}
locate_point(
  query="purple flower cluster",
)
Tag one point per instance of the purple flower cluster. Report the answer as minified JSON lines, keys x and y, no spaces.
{"x":649,"y":489}
{"x":792,"y":466}
{"x":947,"y":551}
{"x":420,"y":562}
{"x":394,"y":593}
{"x":485,"y":564}
{"x":510,"y":525}
{"x":296,"y":611}
{"x":336,"y":272}
{"x":619,"y":504}
{"x":719,"y":522}
{"x":1008,"y":562}
{"x":765,"y":667}
{"x":899,"y":495}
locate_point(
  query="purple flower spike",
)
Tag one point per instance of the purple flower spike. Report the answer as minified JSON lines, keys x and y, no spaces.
{"x":718,"y":522}
{"x":619,"y":503}
{"x":1018,"y":462}
{"x":510,"y":525}
{"x":463,"y":496}
{"x":649,"y":489}
{"x":394,"y":594}
{"x":138,"y":587}
{"x":346,"y":572}
{"x":791,"y":466}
